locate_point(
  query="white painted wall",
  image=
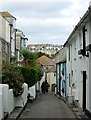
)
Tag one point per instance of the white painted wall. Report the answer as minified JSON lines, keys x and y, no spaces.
{"x":32,"y":91}
{"x":1,"y":103}
{"x":38,"y":86}
{"x":21,"y":100}
{"x":43,"y":79}
{"x":77,"y":64}
{"x":7,"y":100}
{"x":89,"y":72}
{"x":10,"y":101}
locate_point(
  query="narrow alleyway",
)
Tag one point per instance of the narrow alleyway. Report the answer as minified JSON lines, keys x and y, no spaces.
{"x":47,"y":106}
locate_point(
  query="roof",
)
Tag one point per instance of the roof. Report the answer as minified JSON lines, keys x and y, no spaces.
{"x":52,"y":69}
{"x":45,"y":60}
{"x":84,"y":18}
{"x":7,"y":14}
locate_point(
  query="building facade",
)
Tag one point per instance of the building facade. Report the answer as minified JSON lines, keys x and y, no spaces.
{"x":8,"y":31}
{"x":21,"y":43}
{"x":79,"y":63}
{"x":13,"y":40}
{"x":60,"y":61}
{"x":4,"y":40}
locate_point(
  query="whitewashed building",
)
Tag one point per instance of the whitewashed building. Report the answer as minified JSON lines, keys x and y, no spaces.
{"x":4,"y":43}
{"x":4,"y":39}
{"x":79,"y":63}
{"x":11,"y":31}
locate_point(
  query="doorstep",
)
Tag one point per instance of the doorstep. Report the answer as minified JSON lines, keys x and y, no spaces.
{"x":77,"y":111}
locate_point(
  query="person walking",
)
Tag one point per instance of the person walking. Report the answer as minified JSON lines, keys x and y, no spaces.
{"x":46,"y":86}
{"x":43,"y":87}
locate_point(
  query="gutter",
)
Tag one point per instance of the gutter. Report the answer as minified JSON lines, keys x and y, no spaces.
{"x":15,"y":41}
{"x":10,"y":39}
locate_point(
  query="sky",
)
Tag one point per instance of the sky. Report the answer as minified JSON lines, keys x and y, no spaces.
{"x":46,"y":21}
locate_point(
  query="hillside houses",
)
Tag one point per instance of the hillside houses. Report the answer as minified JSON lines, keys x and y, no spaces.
{"x":44,"y":48}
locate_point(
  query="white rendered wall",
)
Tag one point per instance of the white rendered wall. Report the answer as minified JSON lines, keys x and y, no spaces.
{"x":89,"y":69}
{"x":7,"y":100}
{"x":21,"y":100}
{"x":32,"y":91}
{"x":43,"y":79}
{"x":11,"y":101}
{"x":1,"y":103}
{"x":77,"y":64}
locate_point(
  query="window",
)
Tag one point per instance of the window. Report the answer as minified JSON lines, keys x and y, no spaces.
{"x":84,"y":40}
{"x":80,"y":42}
{"x":75,"y":48}
{"x":69,"y":52}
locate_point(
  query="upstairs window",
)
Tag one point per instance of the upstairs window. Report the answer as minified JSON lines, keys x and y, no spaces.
{"x":80,"y":41}
{"x":69,"y":52}
{"x":75,"y":48}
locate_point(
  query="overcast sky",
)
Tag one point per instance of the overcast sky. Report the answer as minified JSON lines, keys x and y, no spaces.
{"x":49,"y":21}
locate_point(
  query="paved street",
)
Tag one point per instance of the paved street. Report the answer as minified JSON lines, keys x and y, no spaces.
{"x":47,"y":106}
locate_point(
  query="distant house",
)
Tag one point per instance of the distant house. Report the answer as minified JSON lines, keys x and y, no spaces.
{"x":21,"y":43}
{"x":48,"y":67}
{"x":60,"y":61}
{"x":79,"y":63}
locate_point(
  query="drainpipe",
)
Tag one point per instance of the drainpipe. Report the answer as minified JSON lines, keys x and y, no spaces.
{"x":15,"y":41}
{"x":60,"y":79}
{"x":10,"y":39}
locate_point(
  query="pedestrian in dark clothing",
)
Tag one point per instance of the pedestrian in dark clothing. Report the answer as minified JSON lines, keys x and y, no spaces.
{"x":46,"y":86}
{"x":43,"y":87}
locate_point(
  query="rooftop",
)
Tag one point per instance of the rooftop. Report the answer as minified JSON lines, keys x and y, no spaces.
{"x":7,"y":14}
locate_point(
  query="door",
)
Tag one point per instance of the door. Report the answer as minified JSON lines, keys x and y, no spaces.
{"x":58,"y":89}
{"x":84,"y":90}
